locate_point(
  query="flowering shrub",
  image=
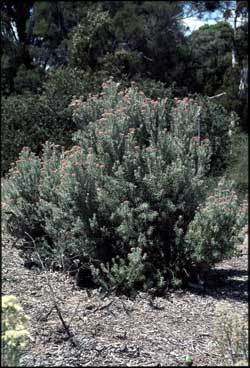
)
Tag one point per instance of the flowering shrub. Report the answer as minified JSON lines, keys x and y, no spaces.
{"x":210,"y":121}
{"x":204,"y":119}
{"x":14,"y":335}
{"x":215,"y":227}
{"x":122,"y":201}
{"x":23,"y":195}
{"x":231,"y":333}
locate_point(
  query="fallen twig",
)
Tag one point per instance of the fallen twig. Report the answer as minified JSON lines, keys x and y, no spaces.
{"x":155,"y":306}
{"x":73,"y":314}
{"x":217,"y":96}
{"x":128,"y":312}
{"x":100,"y":308}
{"x":103,"y":306}
{"x":65,"y":326}
{"x":45,"y":317}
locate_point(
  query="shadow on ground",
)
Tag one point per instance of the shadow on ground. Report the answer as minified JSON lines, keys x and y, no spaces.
{"x":226,"y":284}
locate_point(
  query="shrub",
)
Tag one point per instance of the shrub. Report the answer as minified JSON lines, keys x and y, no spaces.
{"x":30,"y":120}
{"x":14,"y":335}
{"x":123,"y":64}
{"x":231,"y":333}
{"x":29,"y":80}
{"x":122,"y":274}
{"x":210,"y":121}
{"x":123,"y":199}
{"x":215,"y":227}
{"x":61,"y":86}
{"x":18,"y":128}
{"x":237,"y":165}
{"x":23,"y":195}
{"x":155,"y":89}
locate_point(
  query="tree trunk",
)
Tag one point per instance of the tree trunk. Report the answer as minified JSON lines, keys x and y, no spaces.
{"x":19,"y":13}
{"x":234,"y":59}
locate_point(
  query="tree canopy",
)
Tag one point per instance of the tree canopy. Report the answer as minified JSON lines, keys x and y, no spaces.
{"x":129,"y":40}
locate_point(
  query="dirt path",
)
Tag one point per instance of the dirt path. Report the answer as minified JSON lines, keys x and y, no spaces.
{"x":116,"y":331}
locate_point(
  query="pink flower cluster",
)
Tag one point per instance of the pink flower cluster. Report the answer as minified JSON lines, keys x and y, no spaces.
{"x":107,"y":114}
{"x":76,"y":103}
{"x":154,"y":103}
{"x":107,"y":84}
{"x":131,"y":130}
{"x":100,"y":166}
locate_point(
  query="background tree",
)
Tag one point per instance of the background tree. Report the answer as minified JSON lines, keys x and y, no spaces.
{"x":45,"y":44}
{"x":211,"y":47}
{"x":15,"y":50}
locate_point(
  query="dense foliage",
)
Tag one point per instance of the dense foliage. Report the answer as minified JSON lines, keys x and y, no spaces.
{"x":124,"y":201}
{"x":30,"y":120}
{"x":49,"y":47}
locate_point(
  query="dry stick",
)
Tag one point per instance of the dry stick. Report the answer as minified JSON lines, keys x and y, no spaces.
{"x":155,"y":306}
{"x":101,"y":307}
{"x":217,"y":96}
{"x":65,"y":326}
{"x":73,"y":315}
{"x":128,"y":312}
{"x":108,"y":292}
{"x":197,"y":116}
{"x":45,"y":317}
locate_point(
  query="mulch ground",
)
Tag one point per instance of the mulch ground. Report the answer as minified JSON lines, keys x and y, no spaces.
{"x":118,"y":331}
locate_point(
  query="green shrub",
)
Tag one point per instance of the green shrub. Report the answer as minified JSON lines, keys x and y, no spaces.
{"x":61,"y":86}
{"x":198,"y":114}
{"x":123,"y":274}
{"x":216,"y":225}
{"x":14,"y":335}
{"x":123,"y":199}
{"x":237,"y":165}
{"x":155,"y":89}
{"x":18,"y":128}
{"x":123,"y":64}
{"x":28,"y":80}
{"x":30,"y":120}
{"x":211,"y":121}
